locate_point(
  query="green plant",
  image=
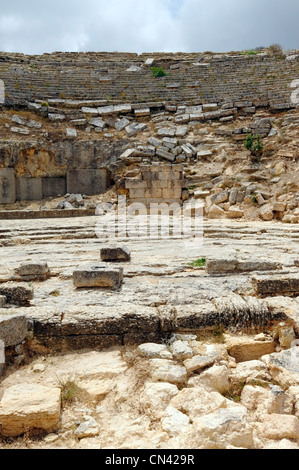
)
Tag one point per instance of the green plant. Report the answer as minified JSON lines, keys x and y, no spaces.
{"x":44,"y":104}
{"x":69,"y":391}
{"x":254,"y":144}
{"x":250,"y":52}
{"x":199,"y":263}
{"x":158,"y":72}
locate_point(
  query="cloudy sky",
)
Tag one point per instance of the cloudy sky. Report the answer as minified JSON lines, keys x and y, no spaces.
{"x":37,"y":26}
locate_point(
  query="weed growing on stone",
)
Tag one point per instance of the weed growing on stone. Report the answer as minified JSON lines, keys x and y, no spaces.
{"x":158,"y":72}
{"x":199,"y":263}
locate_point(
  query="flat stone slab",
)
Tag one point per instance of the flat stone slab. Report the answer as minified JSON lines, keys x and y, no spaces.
{"x":276,"y":285}
{"x":7,"y":186}
{"x":232,"y":265}
{"x":98,"y":276}
{"x":115,"y":254}
{"x":27,"y":406}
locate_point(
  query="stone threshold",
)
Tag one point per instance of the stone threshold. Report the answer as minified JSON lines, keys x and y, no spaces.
{"x":46,"y":214}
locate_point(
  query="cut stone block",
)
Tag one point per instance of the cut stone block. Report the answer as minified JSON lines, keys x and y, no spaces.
{"x":56,"y":117}
{"x":17,"y":293}
{"x":32,"y":271}
{"x":14,"y":328}
{"x":20,"y":130}
{"x":98,"y":276}
{"x":29,"y":189}
{"x":245,"y":349}
{"x":163,"y":153}
{"x":87,"y":181}
{"x":121,"y":124}
{"x":115,"y":254}
{"x":142,"y":112}
{"x":27,"y":406}
{"x":231,"y":265}
{"x":97,"y":122}
{"x":52,"y":187}
{"x":7,"y":186}
{"x":276,"y":285}
{"x":135,"y":184}
{"x":72,"y":133}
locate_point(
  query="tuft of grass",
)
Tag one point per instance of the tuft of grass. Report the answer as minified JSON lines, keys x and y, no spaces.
{"x":69,"y":391}
{"x":249,"y":52}
{"x":55,"y":293}
{"x":199,"y":263}
{"x":235,"y":393}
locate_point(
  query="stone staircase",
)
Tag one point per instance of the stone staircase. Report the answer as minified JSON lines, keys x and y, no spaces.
{"x":106,"y":76}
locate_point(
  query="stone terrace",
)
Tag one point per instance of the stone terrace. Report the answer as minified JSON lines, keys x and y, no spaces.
{"x":122,"y":77}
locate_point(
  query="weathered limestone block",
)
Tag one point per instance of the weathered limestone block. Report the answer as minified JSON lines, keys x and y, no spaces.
{"x":235,"y":213}
{"x":287,"y":284}
{"x":14,"y":327}
{"x":7,"y":186}
{"x":284,"y":366}
{"x":53,"y":187}
{"x":29,"y":406}
{"x":56,"y":117}
{"x":20,"y":130}
{"x":89,"y":428}
{"x":98,"y":276}
{"x":175,"y":422}
{"x":266,"y":212}
{"x":167,"y":371}
{"x":221,"y":197}
{"x":29,"y":189}
{"x":87,"y":181}
{"x":220,"y":429}
{"x":216,"y":212}
{"x":115,"y":254}
{"x":164,"y":153}
{"x":215,"y":378}
{"x":245,"y":349}
{"x":17,"y":293}
{"x":134,"y":183}
{"x":198,"y":363}
{"x":190,"y":317}
{"x":97,"y":122}
{"x":181,"y":350}
{"x":33,"y":271}
{"x":279,"y":426}
{"x":216,"y":266}
{"x":196,"y":402}
{"x":154,"y":350}
{"x":156,"y":396}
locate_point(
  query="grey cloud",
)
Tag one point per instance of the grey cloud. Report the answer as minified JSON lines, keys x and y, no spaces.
{"x":37,"y":26}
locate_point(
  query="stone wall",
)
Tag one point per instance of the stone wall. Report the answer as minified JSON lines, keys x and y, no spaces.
{"x":116,"y":77}
{"x":29,"y":171}
{"x":158,"y":183}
